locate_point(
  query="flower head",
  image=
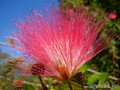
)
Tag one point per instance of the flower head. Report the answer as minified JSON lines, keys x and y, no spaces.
{"x":61,"y":41}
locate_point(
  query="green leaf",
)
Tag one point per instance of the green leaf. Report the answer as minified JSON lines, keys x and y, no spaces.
{"x":103,"y":77}
{"x":84,"y":68}
{"x":93,"y":78}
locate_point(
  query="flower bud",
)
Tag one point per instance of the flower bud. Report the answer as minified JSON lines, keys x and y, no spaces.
{"x":37,"y":69}
{"x":112,"y":15}
{"x":18,"y":83}
{"x":111,"y":51}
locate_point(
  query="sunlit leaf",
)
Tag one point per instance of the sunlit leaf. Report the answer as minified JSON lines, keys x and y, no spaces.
{"x":103,"y":78}
{"x":84,"y":68}
{"x":93,"y":78}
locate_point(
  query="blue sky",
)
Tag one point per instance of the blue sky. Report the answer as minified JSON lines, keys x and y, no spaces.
{"x":11,"y":9}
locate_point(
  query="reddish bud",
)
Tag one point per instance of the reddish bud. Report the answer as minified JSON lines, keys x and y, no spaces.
{"x":112,"y":15}
{"x":37,"y":69}
{"x":111,"y":51}
{"x":18,"y":83}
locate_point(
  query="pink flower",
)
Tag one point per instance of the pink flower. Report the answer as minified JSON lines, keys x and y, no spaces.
{"x":112,"y":15}
{"x":61,"y":42}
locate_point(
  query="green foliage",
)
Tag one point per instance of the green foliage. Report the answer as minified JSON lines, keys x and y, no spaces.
{"x":93,"y":78}
{"x":103,"y":78}
{"x":84,"y":68}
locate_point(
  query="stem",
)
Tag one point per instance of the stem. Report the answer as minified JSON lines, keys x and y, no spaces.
{"x":69,"y":84}
{"x":43,"y":85}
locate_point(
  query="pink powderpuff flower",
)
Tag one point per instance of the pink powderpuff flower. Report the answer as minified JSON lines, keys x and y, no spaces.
{"x":112,"y":15}
{"x":60,"y":42}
